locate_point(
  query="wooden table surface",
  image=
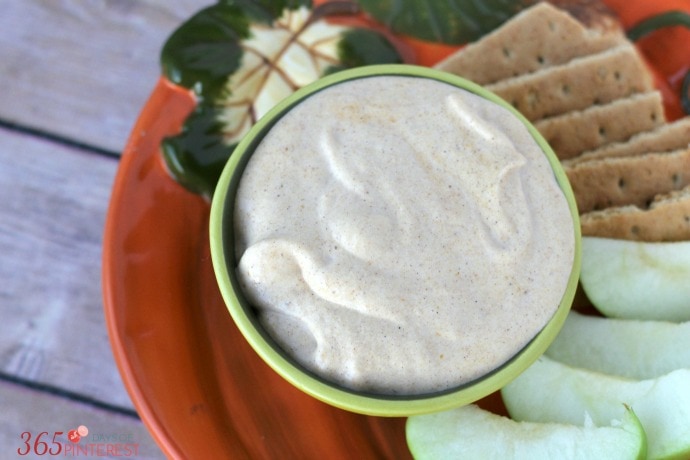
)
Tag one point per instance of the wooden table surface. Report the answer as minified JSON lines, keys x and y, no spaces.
{"x":74,"y":74}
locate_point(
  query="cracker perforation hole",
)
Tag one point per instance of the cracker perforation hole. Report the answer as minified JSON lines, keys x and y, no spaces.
{"x":677,"y":180}
{"x":621,"y":183}
{"x":507,"y":53}
{"x":602,"y":131}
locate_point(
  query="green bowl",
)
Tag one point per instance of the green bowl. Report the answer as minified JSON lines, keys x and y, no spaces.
{"x":223,"y":256}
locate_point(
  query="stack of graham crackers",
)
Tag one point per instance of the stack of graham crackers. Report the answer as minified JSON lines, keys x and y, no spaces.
{"x":569,"y":68}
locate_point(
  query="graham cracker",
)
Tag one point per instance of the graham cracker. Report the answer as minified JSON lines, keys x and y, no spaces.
{"x":666,"y":219}
{"x":665,"y":138}
{"x":534,"y":39}
{"x":633,"y":180}
{"x":573,"y":133}
{"x":567,"y":66}
{"x":582,"y":82}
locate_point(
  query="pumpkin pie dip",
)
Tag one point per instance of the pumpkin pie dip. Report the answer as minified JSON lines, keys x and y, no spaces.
{"x":399,"y":235}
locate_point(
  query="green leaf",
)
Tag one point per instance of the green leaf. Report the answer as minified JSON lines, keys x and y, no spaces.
{"x":659,"y":21}
{"x":242,"y":57}
{"x":360,"y":47}
{"x":445,"y":21}
{"x":266,"y":11}
{"x":204,"y":50}
{"x":195,"y":158}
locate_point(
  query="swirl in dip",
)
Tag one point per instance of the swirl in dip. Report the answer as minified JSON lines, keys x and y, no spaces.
{"x":399,"y":235}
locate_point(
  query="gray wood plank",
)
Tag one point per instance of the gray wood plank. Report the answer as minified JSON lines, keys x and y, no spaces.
{"x":83,"y":69}
{"x":109,"y":435}
{"x":52,"y":213}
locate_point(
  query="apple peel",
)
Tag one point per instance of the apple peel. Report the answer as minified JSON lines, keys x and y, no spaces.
{"x":471,"y":432}
{"x":637,"y":280}
{"x":628,"y":348}
{"x":565,"y":394}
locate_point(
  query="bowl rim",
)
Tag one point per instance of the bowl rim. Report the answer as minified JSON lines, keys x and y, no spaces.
{"x":223,"y":259}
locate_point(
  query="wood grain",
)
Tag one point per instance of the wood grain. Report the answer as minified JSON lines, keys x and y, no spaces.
{"x":51,"y":224}
{"x":24,"y":410}
{"x":83,"y":69}
{"x":78,"y":72}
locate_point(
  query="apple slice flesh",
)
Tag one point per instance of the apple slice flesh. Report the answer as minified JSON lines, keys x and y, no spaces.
{"x":552,"y":392}
{"x":637,"y":280}
{"x":629,"y":348}
{"x":471,"y":432}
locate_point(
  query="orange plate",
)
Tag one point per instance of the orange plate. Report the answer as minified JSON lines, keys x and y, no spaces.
{"x":199,"y":388}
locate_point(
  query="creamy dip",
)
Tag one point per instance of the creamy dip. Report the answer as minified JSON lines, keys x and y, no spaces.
{"x":399,"y":235}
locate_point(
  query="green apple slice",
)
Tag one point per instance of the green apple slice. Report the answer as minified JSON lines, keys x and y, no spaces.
{"x":553,"y":392}
{"x":629,"y":348}
{"x":470,"y":432}
{"x":637,"y":280}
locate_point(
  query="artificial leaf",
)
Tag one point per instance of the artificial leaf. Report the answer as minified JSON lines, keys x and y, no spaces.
{"x":196,"y":157}
{"x":277,"y":60}
{"x":241,"y":58}
{"x":204,"y":50}
{"x":444,"y":21}
{"x":267,"y":11}
{"x":360,"y":47}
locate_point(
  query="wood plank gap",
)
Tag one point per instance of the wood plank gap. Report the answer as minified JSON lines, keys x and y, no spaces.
{"x":21,"y":129}
{"x":69,"y":395}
